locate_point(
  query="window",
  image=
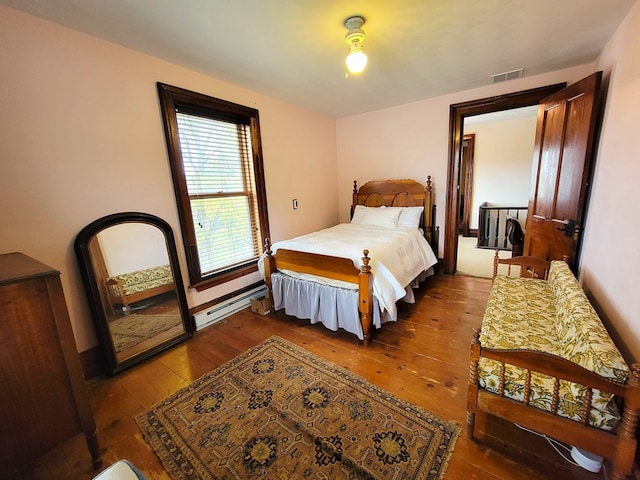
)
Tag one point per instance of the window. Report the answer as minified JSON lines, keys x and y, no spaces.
{"x":216,"y":163}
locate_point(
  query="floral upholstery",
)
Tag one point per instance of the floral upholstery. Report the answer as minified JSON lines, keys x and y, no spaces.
{"x":520,"y":313}
{"x":554,"y":317}
{"x":585,"y":340}
{"x":604,"y":413}
{"x":141,"y":280}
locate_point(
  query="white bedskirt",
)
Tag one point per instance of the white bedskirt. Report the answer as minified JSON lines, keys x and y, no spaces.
{"x":332,"y":306}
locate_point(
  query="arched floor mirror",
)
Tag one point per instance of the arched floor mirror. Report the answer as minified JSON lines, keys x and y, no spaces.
{"x":132,"y":278}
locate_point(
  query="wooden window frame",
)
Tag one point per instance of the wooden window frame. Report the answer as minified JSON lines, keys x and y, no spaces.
{"x":171,"y":98}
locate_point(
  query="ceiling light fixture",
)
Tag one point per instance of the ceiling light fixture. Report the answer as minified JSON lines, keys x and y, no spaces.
{"x":357,"y":59}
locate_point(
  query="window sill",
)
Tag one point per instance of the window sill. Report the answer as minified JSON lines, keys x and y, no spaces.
{"x":224,"y":277}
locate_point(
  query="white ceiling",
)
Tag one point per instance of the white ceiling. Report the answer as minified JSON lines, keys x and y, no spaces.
{"x":294,"y":50}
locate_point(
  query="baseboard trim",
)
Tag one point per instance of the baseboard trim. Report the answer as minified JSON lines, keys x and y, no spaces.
{"x":204,"y":306}
{"x":93,"y":363}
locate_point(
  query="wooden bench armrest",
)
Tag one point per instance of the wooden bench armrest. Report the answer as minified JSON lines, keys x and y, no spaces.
{"x":115,"y":287}
{"x":533,"y":267}
{"x":556,"y":367}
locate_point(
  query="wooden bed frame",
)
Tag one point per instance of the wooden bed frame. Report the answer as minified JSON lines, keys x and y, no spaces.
{"x":391,"y":193}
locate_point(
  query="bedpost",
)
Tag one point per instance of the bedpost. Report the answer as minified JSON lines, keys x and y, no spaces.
{"x":431,"y":231}
{"x":365,"y":296}
{"x":428,"y":212}
{"x":472,"y":389}
{"x":269,"y":267}
{"x":354,"y":199}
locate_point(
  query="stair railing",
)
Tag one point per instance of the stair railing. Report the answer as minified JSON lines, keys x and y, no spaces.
{"x":492,"y":225}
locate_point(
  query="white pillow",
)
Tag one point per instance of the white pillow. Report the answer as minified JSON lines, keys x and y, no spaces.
{"x":358,"y":214}
{"x":380,"y":217}
{"x":410,"y":217}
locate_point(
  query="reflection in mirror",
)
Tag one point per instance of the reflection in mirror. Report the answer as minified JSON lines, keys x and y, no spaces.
{"x":133,"y":281}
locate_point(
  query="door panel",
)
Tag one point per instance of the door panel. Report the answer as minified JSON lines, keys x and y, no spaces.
{"x":571,"y":191}
{"x":544,"y":177}
{"x":562,"y":160}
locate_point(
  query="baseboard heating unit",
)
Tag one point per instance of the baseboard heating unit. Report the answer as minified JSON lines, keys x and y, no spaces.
{"x":228,"y":307}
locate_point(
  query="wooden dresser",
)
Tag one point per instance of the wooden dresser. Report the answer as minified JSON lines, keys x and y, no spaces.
{"x":43,"y":395}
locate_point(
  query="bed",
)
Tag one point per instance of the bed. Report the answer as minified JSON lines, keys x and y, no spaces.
{"x":350,"y":276}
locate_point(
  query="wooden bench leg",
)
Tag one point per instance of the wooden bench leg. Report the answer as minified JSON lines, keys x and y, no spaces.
{"x":626,"y":450}
{"x":471,"y":423}
{"x":472,"y":391}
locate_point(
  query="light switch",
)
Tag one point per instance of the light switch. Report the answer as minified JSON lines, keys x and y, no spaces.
{"x":295,"y":203}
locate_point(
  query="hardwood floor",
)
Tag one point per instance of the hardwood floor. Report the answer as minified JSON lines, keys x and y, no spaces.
{"x":422,"y":358}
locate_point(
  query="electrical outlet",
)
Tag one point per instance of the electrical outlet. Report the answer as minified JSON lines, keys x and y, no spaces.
{"x":295,"y":203}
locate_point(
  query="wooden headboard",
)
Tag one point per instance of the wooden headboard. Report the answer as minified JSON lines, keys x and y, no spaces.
{"x":401,"y":193}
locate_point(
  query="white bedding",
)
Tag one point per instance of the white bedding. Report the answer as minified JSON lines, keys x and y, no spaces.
{"x":398,"y":256}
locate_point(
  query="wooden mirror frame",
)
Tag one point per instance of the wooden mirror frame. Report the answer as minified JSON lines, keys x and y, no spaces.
{"x":83,"y":254}
{"x":457,"y":113}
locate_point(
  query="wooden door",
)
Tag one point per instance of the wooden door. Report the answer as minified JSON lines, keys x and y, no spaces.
{"x":562,"y":157}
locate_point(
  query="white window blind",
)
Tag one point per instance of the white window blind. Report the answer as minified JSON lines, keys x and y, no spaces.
{"x":218,"y":168}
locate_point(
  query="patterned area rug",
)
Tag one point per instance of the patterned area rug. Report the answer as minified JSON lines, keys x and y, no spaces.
{"x":279,"y":412}
{"x":133,"y":329}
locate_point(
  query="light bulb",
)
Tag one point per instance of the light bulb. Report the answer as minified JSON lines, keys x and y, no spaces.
{"x":356,"y":60}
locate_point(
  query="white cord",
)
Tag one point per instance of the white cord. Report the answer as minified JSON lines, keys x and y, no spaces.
{"x":553,"y":442}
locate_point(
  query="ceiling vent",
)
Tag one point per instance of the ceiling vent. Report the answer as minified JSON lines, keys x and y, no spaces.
{"x":504,"y":76}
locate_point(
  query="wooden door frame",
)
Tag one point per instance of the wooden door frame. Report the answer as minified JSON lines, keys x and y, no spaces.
{"x":463,"y":228}
{"x":457,"y":113}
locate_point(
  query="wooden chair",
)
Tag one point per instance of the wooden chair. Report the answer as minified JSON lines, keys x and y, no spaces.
{"x":516,"y":236}
{"x":532,"y":267}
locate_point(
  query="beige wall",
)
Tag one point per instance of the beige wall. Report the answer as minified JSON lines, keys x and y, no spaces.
{"x":82,"y":137}
{"x":502,"y":162}
{"x":412,"y":141}
{"x":610,"y":258}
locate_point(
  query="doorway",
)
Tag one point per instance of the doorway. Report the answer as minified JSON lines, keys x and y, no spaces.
{"x":458,"y":112}
{"x":496,"y":188}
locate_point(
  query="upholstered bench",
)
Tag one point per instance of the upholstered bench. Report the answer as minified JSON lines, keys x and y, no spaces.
{"x":544,"y":360}
{"x":132,"y":287}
